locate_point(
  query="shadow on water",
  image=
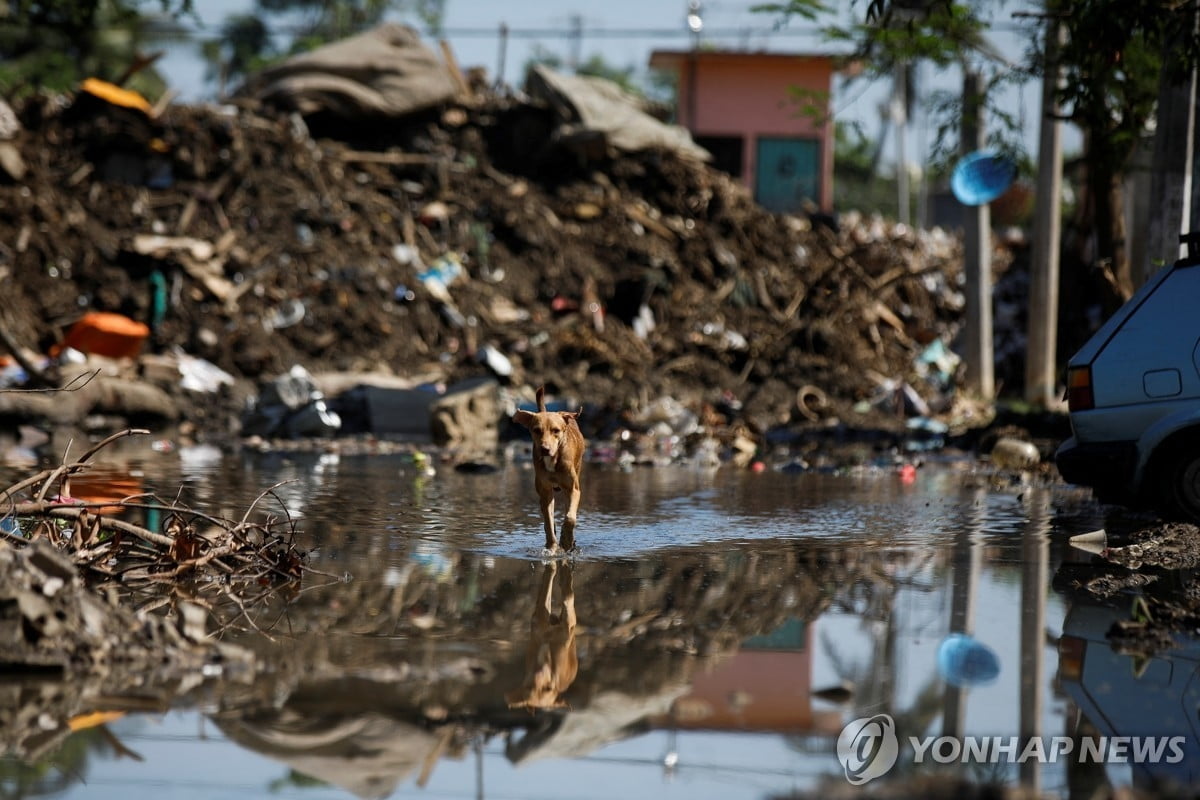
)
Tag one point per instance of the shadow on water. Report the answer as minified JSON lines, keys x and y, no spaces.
{"x":711,"y":638}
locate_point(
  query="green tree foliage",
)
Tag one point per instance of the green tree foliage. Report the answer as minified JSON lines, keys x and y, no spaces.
{"x":53,"y":45}
{"x":857,"y":185}
{"x":597,"y":66}
{"x":243,"y":47}
{"x":1116,"y":54}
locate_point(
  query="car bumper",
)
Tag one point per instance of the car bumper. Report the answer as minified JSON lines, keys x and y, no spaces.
{"x":1105,"y":467}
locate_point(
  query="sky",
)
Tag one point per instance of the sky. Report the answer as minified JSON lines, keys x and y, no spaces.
{"x":625,"y":32}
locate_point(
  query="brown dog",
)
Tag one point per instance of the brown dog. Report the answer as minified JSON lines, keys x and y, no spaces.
{"x":557,"y":458}
{"x":551,"y":658}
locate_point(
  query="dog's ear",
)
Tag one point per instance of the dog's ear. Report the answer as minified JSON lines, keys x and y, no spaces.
{"x":571,"y":414}
{"x":523,"y":417}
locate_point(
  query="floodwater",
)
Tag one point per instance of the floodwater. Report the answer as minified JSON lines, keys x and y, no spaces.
{"x":726,"y":627}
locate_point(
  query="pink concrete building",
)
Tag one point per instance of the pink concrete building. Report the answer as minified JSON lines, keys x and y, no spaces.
{"x":765,"y":117}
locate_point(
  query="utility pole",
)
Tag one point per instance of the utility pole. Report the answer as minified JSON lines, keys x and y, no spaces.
{"x":977,"y":254}
{"x":695,"y":24}
{"x":900,"y":118}
{"x":503,"y":54}
{"x":575,"y":41}
{"x":1041,"y":357}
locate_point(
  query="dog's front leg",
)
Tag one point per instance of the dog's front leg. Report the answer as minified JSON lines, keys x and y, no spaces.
{"x":544,"y":611}
{"x":546,"y":496}
{"x":567,"y":585}
{"x":568,"y":537}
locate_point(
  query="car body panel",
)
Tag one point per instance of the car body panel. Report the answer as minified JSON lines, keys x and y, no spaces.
{"x":1145,"y":382}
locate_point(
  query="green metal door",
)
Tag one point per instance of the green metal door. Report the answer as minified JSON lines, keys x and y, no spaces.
{"x":787,"y":171}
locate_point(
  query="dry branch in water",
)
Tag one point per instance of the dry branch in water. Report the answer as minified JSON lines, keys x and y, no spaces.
{"x":204,"y":559}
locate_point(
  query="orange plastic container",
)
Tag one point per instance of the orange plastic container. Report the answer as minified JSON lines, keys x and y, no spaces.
{"x":104,"y":487}
{"x":106,"y":334}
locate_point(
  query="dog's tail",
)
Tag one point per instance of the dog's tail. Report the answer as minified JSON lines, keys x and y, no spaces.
{"x":541,"y":399}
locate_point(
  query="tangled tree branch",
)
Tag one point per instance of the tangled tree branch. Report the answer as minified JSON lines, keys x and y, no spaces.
{"x":188,"y":545}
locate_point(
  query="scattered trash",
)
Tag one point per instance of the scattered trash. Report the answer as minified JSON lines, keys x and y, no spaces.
{"x":1094,"y":542}
{"x":434,"y":212}
{"x":707,"y":454}
{"x":1014,"y":454}
{"x":386,"y":71}
{"x":115,"y":95}
{"x":287,"y":315}
{"x":467,"y":417}
{"x":431,"y":557}
{"x":938,"y":363}
{"x":11,"y":373}
{"x":422,"y":462}
{"x":925,"y":434}
{"x":386,"y":410}
{"x":664,"y":416}
{"x":199,"y":375}
{"x":291,"y":405}
{"x":10,"y":123}
{"x":11,"y":161}
{"x":442,"y":273}
{"x":496,"y":361}
{"x":643,"y":323}
{"x":406,"y":254}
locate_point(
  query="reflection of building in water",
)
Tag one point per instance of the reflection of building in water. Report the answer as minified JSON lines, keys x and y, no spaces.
{"x":764,"y":686}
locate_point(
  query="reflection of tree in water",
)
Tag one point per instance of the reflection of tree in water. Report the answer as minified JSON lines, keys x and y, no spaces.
{"x":60,"y":770}
{"x":872,"y":598}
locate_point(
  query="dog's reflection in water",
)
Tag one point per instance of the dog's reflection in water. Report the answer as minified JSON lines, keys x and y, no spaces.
{"x":551,"y":662}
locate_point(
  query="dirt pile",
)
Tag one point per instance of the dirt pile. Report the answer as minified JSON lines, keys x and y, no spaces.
{"x":456,"y":242}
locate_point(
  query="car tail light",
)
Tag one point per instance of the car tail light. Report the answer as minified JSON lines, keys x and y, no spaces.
{"x":1079,"y":389}
{"x":1070,"y":657}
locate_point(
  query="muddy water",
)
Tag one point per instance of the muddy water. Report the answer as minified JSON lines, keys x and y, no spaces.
{"x":712,"y":637}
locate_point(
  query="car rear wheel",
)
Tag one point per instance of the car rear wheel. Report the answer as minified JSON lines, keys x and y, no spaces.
{"x":1184,"y":484}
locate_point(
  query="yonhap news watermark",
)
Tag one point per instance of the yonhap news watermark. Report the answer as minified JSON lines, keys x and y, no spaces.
{"x":868,"y":748}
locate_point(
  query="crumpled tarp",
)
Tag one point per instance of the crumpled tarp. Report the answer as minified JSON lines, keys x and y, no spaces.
{"x":386,"y":71}
{"x":592,"y":105}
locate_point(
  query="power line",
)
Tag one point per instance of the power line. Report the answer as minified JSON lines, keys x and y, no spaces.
{"x":580,"y":30}
{"x":210,"y":32}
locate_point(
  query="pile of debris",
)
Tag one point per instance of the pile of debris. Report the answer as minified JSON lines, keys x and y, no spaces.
{"x":52,"y":623}
{"x":484,"y":233}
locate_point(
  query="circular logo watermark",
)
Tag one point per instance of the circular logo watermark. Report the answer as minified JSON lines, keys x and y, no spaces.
{"x":867,"y":748}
